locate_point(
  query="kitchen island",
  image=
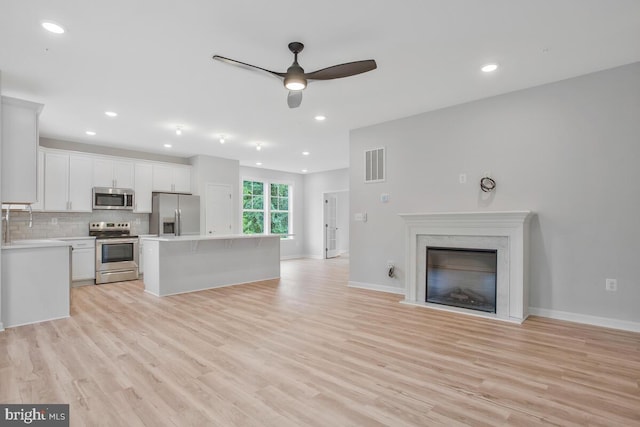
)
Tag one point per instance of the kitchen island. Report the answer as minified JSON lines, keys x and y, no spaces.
{"x":175,"y":265}
{"x":36,"y":275}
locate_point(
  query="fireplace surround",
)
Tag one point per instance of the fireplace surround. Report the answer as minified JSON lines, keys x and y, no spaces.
{"x":507,"y":233}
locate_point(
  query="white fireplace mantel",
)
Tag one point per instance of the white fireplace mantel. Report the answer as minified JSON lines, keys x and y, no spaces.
{"x":505,"y":232}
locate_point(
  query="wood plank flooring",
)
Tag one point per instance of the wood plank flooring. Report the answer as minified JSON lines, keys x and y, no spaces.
{"x":309,"y":351}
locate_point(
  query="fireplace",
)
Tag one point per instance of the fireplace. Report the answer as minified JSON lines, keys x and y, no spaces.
{"x":500,"y":234}
{"x":464,"y":278}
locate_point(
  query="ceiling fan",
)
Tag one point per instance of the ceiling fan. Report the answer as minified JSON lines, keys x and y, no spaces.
{"x":295,"y":79}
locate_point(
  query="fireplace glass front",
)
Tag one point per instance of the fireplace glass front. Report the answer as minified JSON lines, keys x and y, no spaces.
{"x":463,"y":278}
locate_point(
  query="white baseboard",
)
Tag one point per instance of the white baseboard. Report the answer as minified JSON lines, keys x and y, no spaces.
{"x":1,"y":327}
{"x":379,"y":288}
{"x":285,"y":257}
{"x":605,"y":322}
{"x":312,"y":256}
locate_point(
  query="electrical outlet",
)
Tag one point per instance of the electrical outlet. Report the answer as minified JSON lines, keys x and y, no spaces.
{"x":54,"y":221}
{"x":611,"y":285}
{"x":137,"y":221}
{"x":462,"y":178}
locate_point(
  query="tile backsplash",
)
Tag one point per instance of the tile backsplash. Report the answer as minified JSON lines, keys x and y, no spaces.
{"x":68,"y":224}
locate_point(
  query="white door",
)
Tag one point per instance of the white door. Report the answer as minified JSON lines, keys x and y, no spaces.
{"x":331,"y":226}
{"x":218,"y":209}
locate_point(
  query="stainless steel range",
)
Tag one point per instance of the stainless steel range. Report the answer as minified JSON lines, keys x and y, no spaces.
{"x":116,"y":251}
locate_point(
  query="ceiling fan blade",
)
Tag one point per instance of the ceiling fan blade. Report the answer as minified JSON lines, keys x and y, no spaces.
{"x":294,"y":98}
{"x":343,"y":70}
{"x":246,"y":66}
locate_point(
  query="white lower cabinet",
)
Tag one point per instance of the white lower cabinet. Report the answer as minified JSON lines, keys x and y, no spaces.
{"x":83,"y":259}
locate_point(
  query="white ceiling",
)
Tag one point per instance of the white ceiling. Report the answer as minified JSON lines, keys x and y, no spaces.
{"x":150,"y":61}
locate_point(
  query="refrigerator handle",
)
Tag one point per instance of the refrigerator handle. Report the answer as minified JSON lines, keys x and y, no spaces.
{"x":176,"y":223}
{"x":180,"y":219}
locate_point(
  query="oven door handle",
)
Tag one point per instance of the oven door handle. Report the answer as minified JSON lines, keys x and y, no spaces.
{"x":177,"y":223}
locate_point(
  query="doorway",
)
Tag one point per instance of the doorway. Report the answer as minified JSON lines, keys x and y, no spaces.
{"x":218,"y":209}
{"x":336,"y":224}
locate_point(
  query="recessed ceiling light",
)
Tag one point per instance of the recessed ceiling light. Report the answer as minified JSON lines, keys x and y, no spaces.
{"x":111,"y":114}
{"x":52,"y":27}
{"x":90,"y":133}
{"x":222,"y":141}
{"x":259,"y":147}
{"x":167,"y":145}
{"x":258,"y":163}
{"x":304,"y":171}
{"x":320,"y":118}
{"x":178,"y":130}
{"x":305,"y":153}
{"x":489,"y":68}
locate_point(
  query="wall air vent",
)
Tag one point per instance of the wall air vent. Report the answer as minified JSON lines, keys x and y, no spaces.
{"x":374,"y":165}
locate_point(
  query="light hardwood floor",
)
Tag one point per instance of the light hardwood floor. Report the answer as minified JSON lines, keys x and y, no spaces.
{"x":308,"y":350}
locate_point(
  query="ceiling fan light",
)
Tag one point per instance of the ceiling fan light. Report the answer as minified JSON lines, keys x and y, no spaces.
{"x":295,"y":82}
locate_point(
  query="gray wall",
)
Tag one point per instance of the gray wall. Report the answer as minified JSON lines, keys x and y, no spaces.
{"x":110,"y":151}
{"x":315,"y":185}
{"x":289,"y":248}
{"x":569,"y":151}
{"x":216,"y":170}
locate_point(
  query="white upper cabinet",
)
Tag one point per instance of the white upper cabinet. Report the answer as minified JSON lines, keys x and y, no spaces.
{"x":56,"y":178}
{"x":68,"y":182}
{"x":143,"y":187}
{"x":162,"y":177}
{"x":66,"y":179}
{"x":39,"y":205}
{"x":80,"y":186}
{"x":171,"y":178}
{"x":182,"y":179}
{"x":19,"y":150}
{"x":112,"y":173}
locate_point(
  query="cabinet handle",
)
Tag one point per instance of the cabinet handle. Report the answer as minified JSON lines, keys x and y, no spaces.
{"x":70,"y":205}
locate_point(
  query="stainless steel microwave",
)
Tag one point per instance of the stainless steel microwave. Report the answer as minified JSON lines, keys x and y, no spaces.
{"x":113,"y":198}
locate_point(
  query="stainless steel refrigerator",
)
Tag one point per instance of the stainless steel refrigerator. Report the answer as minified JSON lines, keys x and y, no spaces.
{"x":175,"y":214}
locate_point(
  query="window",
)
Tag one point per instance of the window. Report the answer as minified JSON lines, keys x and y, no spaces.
{"x":272,"y":215}
{"x":252,"y":207}
{"x":279,"y":211}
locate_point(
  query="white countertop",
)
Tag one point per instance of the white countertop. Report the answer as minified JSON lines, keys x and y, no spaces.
{"x":212,"y":237}
{"x":34,"y":243}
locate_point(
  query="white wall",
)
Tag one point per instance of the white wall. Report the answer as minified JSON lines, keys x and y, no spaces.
{"x":289,"y":248}
{"x":569,"y":151}
{"x":315,"y":185}
{"x":216,"y":170}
